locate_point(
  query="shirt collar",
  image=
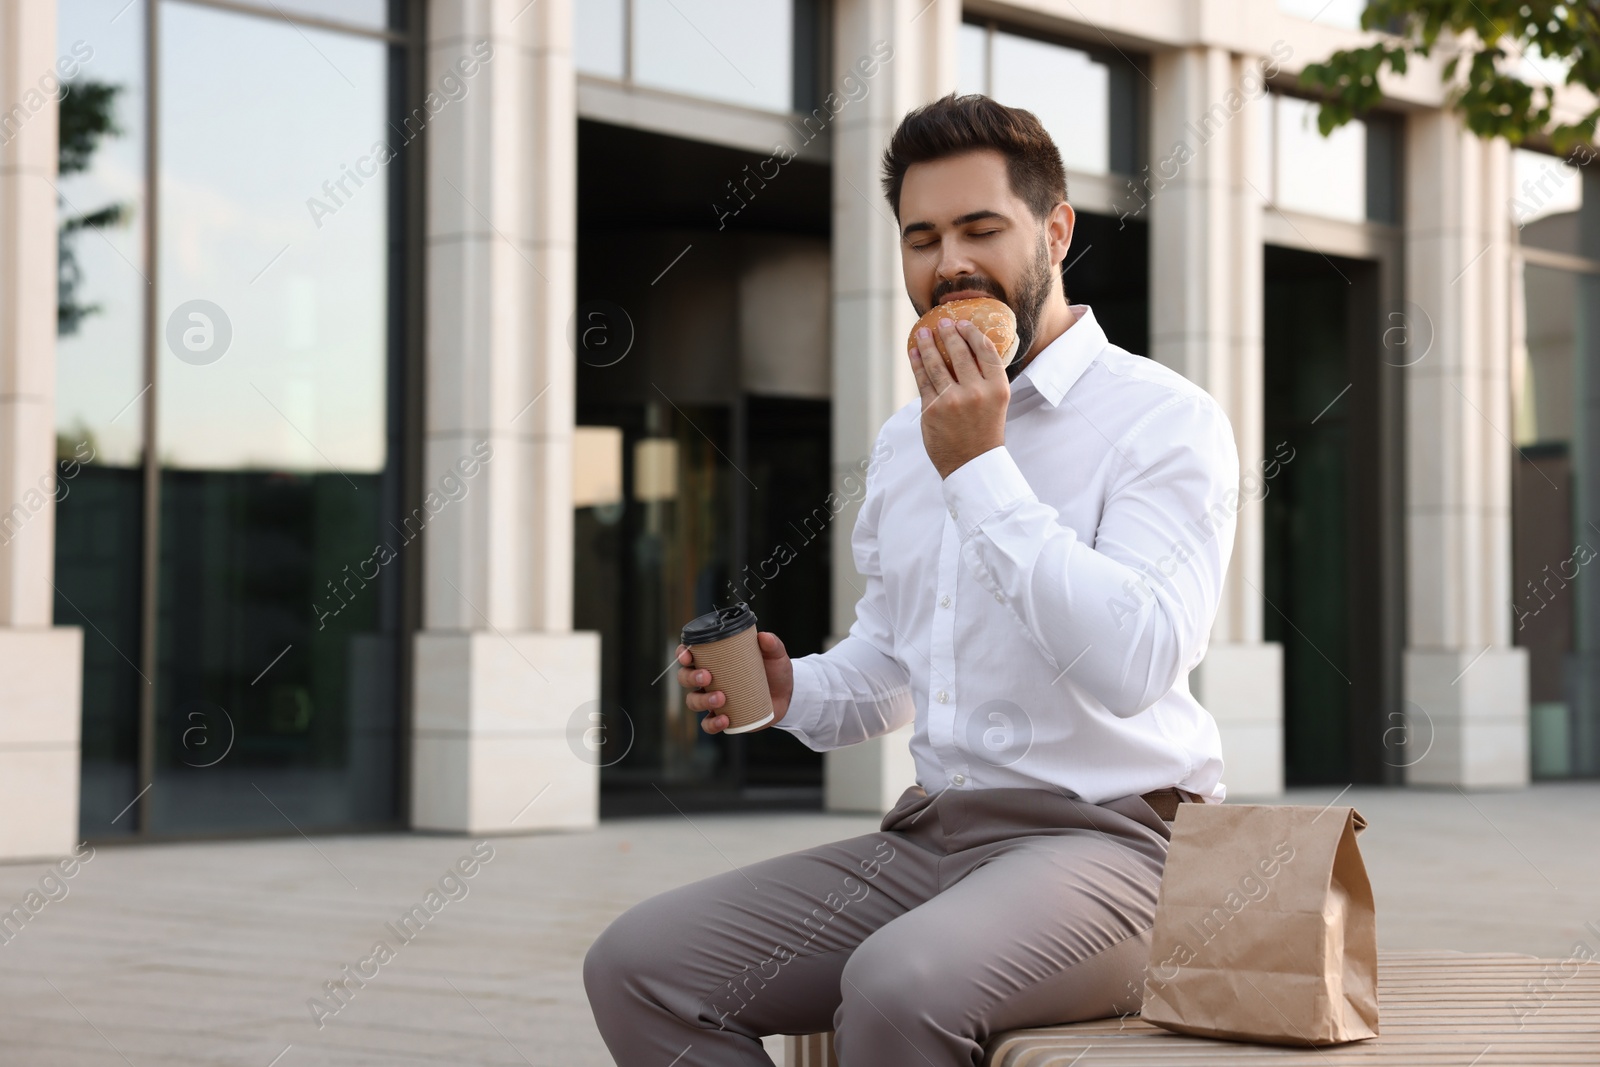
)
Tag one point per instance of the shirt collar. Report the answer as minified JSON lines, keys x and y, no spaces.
{"x":1053,"y":371}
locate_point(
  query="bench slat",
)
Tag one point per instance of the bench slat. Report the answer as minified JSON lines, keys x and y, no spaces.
{"x":1437,"y":1008}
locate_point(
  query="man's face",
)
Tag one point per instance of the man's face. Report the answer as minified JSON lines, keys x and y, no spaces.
{"x":965,"y":233}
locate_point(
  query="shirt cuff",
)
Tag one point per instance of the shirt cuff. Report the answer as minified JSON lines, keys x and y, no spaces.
{"x":805,"y":703}
{"x":981,"y":486}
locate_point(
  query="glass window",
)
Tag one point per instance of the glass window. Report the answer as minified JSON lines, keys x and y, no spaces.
{"x":100,"y":302}
{"x":1315,"y":174}
{"x":1385,"y":140}
{"x":289,"y":246}
{"x":1546,"y":199}
{"x":756,"y":53}
{"x":101,"y":389}
{"x":1555,"y":595}
{"x":374,"y":14}
{"x":1353,"y":174}
{"x":274,"y":632}
{"x":1346,"y":13}
{"x":1544,"y":413}
{"x":599,"y":37}
{"x":269,"y":697}
{"x":1069,"y":89}
{"x":732,"y":50}
{"x":972,"y":63}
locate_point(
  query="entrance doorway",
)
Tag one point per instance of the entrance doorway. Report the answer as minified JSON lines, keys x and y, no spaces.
{"x":1328,"y":541}
{"x":703,"y":445}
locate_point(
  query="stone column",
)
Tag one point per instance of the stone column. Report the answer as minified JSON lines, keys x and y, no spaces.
{"x":41,"y":666}
{"x":499,"y":674}
{"x":1466,"y":685}
{"x":871,"y":313}
{"x":1206,"y":323}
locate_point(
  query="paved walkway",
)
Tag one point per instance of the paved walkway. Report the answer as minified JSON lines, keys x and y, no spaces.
{"x":208,"y":953}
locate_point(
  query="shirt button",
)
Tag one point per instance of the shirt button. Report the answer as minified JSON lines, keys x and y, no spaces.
{"x":1000,"y":598}
{"x":944,"y":601}
{"x":952,"y":513}
{"x":944,"y":697}
{"x":959,"y":779}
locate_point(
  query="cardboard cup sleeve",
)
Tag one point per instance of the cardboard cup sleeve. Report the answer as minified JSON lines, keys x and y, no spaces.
{"x":724,"y":643}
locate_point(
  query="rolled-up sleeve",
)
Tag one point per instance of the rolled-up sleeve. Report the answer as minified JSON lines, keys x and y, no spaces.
{"x":857,"y":689}
{"x":1131,"y":609}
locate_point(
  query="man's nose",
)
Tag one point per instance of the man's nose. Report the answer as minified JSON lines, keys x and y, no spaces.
{"x":953,"y":259}
{"x":953,"y":263}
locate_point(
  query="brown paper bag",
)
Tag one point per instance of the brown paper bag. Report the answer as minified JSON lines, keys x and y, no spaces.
{"x":1264,"y":927}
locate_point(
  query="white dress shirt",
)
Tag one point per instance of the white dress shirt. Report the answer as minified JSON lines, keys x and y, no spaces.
{"x":1037,"y":613}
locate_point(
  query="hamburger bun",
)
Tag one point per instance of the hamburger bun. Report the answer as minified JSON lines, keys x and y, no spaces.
{"x":993,"y":317}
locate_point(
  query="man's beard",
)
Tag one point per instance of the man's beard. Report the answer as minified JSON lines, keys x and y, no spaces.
{"x":1032,"y":292}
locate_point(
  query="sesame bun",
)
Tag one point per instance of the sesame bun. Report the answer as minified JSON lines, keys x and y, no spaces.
{"x":994,"y":318}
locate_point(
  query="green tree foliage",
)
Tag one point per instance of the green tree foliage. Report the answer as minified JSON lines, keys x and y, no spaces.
{"x":1488,"y":36}
{"x":86,"y":117}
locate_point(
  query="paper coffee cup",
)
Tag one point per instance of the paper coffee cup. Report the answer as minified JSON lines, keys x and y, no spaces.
{"x":724,"y":643}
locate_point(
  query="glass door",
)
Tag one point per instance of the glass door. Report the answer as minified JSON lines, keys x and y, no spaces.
{"x":1323,"y":516}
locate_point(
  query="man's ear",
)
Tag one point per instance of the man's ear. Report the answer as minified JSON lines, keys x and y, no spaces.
{"x":1058,"y":231}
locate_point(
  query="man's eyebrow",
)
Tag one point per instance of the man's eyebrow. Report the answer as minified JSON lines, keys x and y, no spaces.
{"x":971,"y":216}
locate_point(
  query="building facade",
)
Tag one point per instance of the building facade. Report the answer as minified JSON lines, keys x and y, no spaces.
{"x":418,"y":368}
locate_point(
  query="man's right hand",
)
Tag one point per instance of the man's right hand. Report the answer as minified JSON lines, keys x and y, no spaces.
{"x":780,"y":681}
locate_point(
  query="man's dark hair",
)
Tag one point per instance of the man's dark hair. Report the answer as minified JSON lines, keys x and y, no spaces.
{"x":953,"y":125}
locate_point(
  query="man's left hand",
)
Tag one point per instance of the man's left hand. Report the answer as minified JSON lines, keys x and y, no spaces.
{"x":963,"y":416}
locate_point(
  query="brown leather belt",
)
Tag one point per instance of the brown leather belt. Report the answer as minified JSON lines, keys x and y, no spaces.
{"x":1166,"y":801}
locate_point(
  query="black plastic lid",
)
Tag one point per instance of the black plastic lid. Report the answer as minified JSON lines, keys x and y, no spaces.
{"x":715,"y":625}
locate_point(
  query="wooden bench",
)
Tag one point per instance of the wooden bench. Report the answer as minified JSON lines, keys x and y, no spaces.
{"x":1456,"y":1008}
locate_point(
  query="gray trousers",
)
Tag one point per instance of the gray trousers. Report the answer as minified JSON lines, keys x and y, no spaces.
{"x":970,"y":912}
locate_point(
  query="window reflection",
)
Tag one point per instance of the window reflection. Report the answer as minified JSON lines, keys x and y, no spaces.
{"x":260,"y":119}
{"x":100,"y":387}
{"x":972,"y":59}
{"x":276,"y":618}
{"x":731,"y":50}
{"x":373,"y":14}
{"x":766,"y":54}
{"x":1352,"y":174}
{"x":1309,"y":172}
{"x":1555,"y":516}
{"x":99,"y":354}
{"x":256,"y":115}
{"x":1546,"y":197}
{"x":1068,"y":89}
{"x":1544,"y":413}
{"x":599,"y":37}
